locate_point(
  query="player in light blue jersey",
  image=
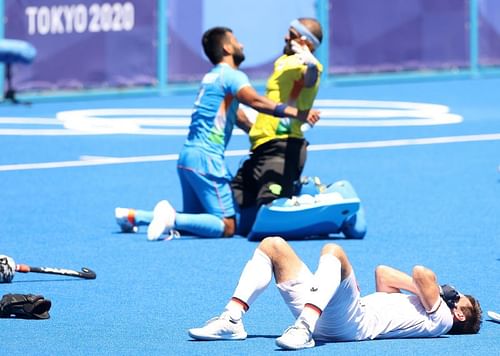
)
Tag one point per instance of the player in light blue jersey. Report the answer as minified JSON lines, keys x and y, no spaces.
{"x":215,"y":109}
{"x":208,"y":207}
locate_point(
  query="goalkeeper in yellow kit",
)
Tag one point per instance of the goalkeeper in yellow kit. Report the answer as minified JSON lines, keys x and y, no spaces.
{"x":278,"y":146}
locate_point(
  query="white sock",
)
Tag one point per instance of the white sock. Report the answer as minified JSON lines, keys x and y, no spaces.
{"x":310,"y":316}
{"x":234,"y":309}
{"x":325,"y":283}
{"x":254,"y":279}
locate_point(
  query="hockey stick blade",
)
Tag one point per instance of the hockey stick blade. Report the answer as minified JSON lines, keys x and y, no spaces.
{"x":85,"y":273}
{"x":494,"y":316}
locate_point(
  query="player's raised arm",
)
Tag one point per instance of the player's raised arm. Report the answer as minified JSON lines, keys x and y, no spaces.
{"x":391,"y":280}
{"x":311,"y":71}
{"x":423,"y":283}
{"x":427,"y":287}
{"x":248,"y":96}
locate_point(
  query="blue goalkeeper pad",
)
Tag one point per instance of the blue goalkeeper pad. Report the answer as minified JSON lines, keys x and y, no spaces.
{"x":337,"y":209}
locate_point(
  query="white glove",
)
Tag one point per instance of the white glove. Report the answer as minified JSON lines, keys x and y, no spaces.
{"x":303,"y":53}
{"x":7,"y":269}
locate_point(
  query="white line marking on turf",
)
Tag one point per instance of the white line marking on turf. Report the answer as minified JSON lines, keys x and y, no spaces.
{"x":46,"y":132}
{"x":174,"y":121}
{"x":405,"y":142}
{"x":96,"y":160}
{"x":29,"y":121}
{"x":376,"y":113}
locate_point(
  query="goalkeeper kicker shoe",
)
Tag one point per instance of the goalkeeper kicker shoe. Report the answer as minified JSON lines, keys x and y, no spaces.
{"x":125,"y":218}
{"x":297,"y":336}
{"x":163,"y":220}
{"x":220,"y":328}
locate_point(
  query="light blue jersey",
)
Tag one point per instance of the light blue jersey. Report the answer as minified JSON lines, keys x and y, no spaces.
{"x":204,"y":176}
{"x":214,"y":114}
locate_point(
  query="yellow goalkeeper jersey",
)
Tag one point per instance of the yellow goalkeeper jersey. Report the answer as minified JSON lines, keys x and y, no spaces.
{"x":286,"y":85}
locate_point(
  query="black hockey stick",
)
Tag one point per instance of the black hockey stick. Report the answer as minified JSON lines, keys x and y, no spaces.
{"x":85,"y":273}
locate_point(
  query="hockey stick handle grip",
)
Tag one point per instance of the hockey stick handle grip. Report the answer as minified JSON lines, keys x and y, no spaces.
{"x":23,"y":268}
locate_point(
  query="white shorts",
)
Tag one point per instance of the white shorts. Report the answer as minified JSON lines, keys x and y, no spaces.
{"x":342,"y":318}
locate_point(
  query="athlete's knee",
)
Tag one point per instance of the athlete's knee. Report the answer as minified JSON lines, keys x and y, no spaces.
{"x":338,"y":252}
{"x":229,"y":227}
{"x":272,"y":245}
{"x":333,"y":249}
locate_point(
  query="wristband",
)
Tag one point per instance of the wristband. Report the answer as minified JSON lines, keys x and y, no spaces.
{"x":279,"y":110}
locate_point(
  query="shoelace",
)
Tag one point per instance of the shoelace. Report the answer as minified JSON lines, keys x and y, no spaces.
{"x":220,"y":317}
{"x":212,"y":320}
{"x":296,"y":328}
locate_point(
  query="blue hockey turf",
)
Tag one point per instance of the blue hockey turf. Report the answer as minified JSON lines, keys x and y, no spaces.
{"x":431,"y":191}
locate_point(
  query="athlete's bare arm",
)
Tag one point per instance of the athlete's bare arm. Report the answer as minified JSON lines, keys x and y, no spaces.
{"x":242,"y":121}
{"x":427,"y":287}
{"x":248,"y":96}
{"x":422,"y":283}
{"x":391,"y":280}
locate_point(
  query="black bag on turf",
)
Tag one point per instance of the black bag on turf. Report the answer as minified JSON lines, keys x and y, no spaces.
{"x":24,"y":306}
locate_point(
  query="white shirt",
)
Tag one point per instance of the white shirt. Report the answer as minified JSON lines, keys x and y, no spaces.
{"x":397,"y":315}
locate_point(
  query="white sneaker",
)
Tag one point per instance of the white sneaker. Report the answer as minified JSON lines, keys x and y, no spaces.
{"x":297,"y":336}
{"x":220,"y":328}
{"x":125,"y":219}
{"x":163,"y":220}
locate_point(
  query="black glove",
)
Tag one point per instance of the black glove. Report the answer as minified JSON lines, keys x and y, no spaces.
{"x":450,"y":295}
{"x":24,"y":306}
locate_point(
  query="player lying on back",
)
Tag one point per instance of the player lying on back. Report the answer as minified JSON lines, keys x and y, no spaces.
{"x":328,"y":306}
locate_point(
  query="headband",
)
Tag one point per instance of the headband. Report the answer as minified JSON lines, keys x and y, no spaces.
{"x":304,"y":31}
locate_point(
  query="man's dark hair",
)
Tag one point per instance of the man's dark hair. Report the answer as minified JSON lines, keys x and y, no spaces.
{"x":213,"y":41}
{"x":314,"y":26}
{"x":472,"y":322}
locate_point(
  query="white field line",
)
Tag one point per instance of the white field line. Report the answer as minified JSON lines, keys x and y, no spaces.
{"x":405,"y":142}
{"x":30,"y":121}
{"x":98,"y":160}
{"x":175,"y":121}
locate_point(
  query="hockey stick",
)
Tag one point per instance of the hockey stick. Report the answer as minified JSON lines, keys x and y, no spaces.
{"x":494,"y":316}
{"x":85,"y":273}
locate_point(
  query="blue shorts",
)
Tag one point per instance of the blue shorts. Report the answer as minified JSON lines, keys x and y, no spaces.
{"x":205,"y":182}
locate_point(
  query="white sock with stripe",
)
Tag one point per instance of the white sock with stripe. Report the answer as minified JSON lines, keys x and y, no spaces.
{"x":254,"y":279}
{"x":325,"y":283}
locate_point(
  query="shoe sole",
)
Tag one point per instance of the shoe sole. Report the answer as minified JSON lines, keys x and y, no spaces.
{"x":155,"y":230}
{"x":295,"y":347}
{"x":194,"y":335}
{"x":157,"y":226}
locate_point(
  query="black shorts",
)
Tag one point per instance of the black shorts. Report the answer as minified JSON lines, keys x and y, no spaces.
{"x":270,"y":172}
